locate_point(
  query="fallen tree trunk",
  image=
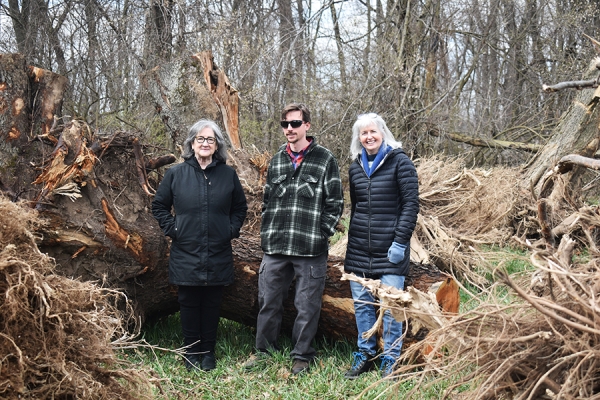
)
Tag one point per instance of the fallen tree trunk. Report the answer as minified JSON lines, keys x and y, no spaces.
{"x":94,"y":191}
{"x":240,"y":302}
{"x":484,"y":142}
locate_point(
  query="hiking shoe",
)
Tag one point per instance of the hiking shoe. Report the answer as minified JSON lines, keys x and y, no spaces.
{"x":387,"y":366}
{"x":362,"y":363}
{"x":192,"y":361}
{"x":208,"y":362}
{"x":299,"y":366}
{"x":256,"y":360}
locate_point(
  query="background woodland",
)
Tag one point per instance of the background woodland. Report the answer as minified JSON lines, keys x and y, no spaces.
{"x":94,"y":94}
{"x":435,"y":70}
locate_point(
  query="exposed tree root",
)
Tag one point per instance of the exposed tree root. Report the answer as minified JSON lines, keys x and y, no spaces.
{"x":529,"y":338}
{"x":58,"y":335}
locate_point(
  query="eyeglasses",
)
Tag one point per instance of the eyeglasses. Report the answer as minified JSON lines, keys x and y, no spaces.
{"x":295,"y":123}
{"x":202,"y":139}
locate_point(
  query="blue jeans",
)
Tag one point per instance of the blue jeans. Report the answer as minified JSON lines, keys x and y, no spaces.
{"x":366,"y":317}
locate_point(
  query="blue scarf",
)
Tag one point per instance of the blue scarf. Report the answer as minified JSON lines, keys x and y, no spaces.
{"x":381,"y":153}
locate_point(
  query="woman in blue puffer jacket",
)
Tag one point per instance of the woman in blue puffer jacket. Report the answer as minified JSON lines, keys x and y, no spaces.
{"x":209,"y":208}
{"x":384,"y":191}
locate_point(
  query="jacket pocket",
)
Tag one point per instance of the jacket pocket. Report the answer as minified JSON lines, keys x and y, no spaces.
{"x":308,"y":186}
{"x":233,"y":232}
{"x":279,"y":189}
{"x":174,"y":230}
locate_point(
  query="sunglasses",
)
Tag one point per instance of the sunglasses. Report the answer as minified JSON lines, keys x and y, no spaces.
{"x":295,"y":123}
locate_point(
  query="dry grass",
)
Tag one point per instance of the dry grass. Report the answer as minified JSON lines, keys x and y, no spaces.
{"x":58,"y":335}
{"x":520,"y":345}
{"x":462,"y":208}
{"x":531,"y":338}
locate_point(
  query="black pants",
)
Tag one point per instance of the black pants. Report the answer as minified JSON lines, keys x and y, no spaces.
{"x":199,"y":308}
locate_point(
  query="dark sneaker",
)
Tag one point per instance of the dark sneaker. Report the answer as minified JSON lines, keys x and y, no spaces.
{"x":362,"y":363}
{"x":256,"y":360}
{"x":192,"y":361}
{"x":299,"y":366}
{"x":387,"y":366}
{"x":208,"y":362}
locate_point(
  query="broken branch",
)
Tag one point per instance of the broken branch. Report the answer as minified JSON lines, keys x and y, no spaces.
{"x":140,"y":167}
{"x":491,"y":143}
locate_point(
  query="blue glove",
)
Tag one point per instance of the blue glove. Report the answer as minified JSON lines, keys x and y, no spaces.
{"x":396,"y":252}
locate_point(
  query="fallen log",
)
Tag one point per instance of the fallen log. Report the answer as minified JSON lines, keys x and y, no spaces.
{"x":94,"y":190}
{"x":240,"y":302}
{"x":483,"y":142}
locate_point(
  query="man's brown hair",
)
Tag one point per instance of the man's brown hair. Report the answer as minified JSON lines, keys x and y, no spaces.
{"x":296,"y":107}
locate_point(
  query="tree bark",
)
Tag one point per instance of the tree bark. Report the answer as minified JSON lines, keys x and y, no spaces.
{"x":14,"y":101}
{"x":576,"y":133}
{"x":226,"y":96}
{"x":94,"y":192}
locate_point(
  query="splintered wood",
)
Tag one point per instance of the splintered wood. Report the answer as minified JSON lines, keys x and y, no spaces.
{"x":70,"y":165}
{"x":422,"y":307}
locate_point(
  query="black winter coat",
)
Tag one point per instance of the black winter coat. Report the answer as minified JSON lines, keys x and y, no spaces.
{"x":384,"y":209}
{"x":210,"y":208}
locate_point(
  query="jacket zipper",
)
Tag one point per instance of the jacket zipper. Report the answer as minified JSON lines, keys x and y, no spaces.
{"x":206,"y":194}
{"x":369,"y":226}
{"x":369,"y":196}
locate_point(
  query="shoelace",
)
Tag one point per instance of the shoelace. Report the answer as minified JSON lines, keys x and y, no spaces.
{"x":387,"y":365}
{"x":359,"y":358}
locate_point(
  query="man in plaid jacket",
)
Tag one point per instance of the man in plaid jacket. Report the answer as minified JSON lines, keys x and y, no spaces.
{"x":302,"y":203}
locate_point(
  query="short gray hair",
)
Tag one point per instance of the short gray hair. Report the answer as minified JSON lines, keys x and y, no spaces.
{"x":365,"y":120}
{"x":220,"y":154}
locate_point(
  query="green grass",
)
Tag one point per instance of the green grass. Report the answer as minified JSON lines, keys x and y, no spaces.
{"x":325,"y":380}
{"x":581,"y":256}
{"x":514,"y":261}
{"x":235,"y":342}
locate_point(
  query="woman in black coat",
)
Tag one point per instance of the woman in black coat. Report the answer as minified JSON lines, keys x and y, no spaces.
{"x":201,"y":206}
{"x":384,"y":192}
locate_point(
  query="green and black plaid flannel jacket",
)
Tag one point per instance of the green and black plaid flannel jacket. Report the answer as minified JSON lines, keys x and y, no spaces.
{"x":301,"y":207}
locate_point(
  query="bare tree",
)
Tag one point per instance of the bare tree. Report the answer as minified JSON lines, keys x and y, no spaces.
{"x":20,"y":15}
{"x":339,"y":45}
{"x":158,"y":43}
{"x":470,"y":68}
